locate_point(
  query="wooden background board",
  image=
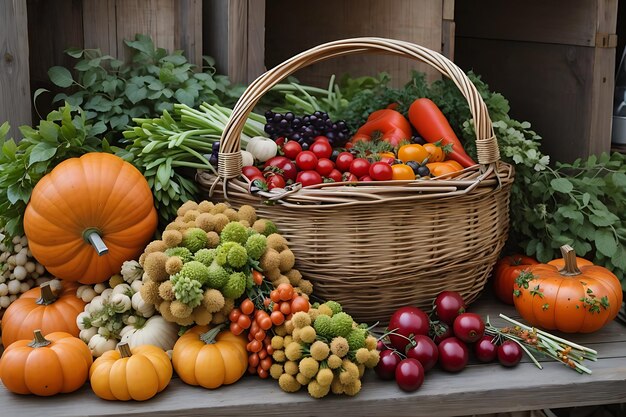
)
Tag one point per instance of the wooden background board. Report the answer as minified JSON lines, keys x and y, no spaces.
{"x":478,"y":389}
{"x":553,"y":60}
{"x":292,"y":27}
{"x":14,"y":74}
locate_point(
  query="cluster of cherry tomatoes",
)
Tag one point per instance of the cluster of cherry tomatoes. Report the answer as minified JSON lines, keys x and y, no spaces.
{"x":320,"y":163}
{"x":258,"y":319}
{"x":412,"y":348}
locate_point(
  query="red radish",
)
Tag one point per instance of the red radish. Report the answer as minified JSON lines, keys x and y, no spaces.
{"x":386,"y":367}
{"x":448,"y":305}
{"x":404,"y":322}
{"x":485,"y":350}
{"x":509,"y":353}
{"x":409,"y":374}
{"x":424,"y":350}
{"x":469,"y":327}
{"x":453,"y":354}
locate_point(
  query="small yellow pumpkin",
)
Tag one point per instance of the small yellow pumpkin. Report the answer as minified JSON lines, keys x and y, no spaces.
{"x":130,"y":374}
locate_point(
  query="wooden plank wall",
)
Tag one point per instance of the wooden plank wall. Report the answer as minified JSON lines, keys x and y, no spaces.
{"x":554,"y":61}
{"x":14,"y":74}
{"x":292,"y":28}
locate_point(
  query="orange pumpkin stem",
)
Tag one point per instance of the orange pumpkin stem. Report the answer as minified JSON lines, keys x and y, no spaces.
{"x":209,"y":337}
{"x":92,"y":236}
{"x":124,"y":350}
{"x":39,"y":340}
{"x":47,"y":296}
{"x":569,"y":256}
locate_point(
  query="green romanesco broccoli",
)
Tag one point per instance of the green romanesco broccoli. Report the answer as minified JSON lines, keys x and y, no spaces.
{"x":322,"y":326}
{"x":231,"y":254}
{"x":234,"y":232}
{"x":256,"y":245}
{"x":218,"y":276}
{"x":196,"y":271}
{"x":356,"y":339}
{"x":341,"y":324}
{"x":235,"y":286}
{"x":187,"y":290}
{"x":183,"y":253}
{"x":194,"y":239}
{"x":206,"y":256}
{"x":334,"y":306}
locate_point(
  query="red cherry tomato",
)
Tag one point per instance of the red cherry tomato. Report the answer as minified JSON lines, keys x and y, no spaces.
{"x":335,"y":175}
{"x":288,"y":168}
{"x":275,"y":181}
{"x":343,"y":161}
{"x":360,"y":167}
{"x":366,"y":178}
{"x":381,"y":171}
{"x":309,"y":178}
{"x":280,"y":141}
{"x":291,"y":149}
{"x":251,"y":172}
{"x":324,"y":166}
{"x":324,"y":138}
{"x":321,"y":149}
{"x":388,"y":159}
{"x":306,"y":161}
{"x":349,"y":177}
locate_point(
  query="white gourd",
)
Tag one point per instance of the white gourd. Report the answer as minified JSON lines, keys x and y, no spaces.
{"x":86,"y":334}
{"x":99,"y":344}
{"x":96,"y":305}
{"x":120,"y":302}
{"x":156,"y":331}
{"x":136,"y":285}
{"x":83,"y":321}
{"x":143,"y":308}
{"x":122,"y":289}
{"x":262,"y":148}
{"x":106,"y":294}
{"x":247,"y":158}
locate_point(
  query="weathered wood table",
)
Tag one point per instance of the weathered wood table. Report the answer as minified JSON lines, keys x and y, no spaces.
{"x":478,"y":389}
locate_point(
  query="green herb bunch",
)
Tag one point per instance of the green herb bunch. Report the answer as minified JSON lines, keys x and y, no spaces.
{"x":113,"y":93}
{"x":64,"y":134}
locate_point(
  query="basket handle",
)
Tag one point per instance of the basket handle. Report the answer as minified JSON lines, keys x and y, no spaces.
{"x":230,"y":162}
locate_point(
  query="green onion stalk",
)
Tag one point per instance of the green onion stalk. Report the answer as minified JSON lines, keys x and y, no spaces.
{"x":168,"y":150}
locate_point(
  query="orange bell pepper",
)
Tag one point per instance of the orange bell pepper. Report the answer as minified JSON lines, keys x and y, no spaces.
{"x":391,"y":125}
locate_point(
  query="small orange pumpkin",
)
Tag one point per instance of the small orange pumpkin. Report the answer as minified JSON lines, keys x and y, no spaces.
{"x":96,"y":200}
{"x":41,"y":308}
{"x":505,"y":272}
{"x":58,"y":362}
{"x":210,"y":357}
{"x":131,"y":374}
{"x":574,"y":299}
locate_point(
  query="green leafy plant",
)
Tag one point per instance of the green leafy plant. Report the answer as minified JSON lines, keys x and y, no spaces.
{"x":113,"y":92}
{"x":63,"y":134}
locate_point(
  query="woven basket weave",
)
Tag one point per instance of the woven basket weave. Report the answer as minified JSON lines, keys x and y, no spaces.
{"x":374,"y":247}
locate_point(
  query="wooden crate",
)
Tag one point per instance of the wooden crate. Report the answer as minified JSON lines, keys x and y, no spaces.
{"x":553,"y":60}
{"x":262,"y":34}
{"x":14,"y":74}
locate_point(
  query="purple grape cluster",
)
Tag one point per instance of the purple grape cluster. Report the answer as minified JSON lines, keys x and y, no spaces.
{"x":305,"y":129}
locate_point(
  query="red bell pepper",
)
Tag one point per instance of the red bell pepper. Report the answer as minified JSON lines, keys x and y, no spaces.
{"x":391,"y":125}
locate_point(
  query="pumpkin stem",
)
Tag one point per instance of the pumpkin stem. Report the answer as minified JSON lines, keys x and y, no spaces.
{"x":47,"y":296}
{"x":39,"y":340}
{"x":124,"y":350}
{"x":569,"y":256}
{"x":92,"y":236}
{"x":209,"y":337}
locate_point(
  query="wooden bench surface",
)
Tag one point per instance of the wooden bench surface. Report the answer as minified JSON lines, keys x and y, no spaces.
{"x":480,"y":388}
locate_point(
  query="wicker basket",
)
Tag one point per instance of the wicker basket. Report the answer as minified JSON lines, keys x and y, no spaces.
{"x":370,"y":246}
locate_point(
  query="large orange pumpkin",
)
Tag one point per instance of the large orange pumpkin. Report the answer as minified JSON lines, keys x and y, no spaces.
{"x":210,"y":357}
{"x":573,"y":299}
{"x":505,"y":272}
{"x":40,"y":308}
{"x":131,"y":374}
{"x":97,"y":201}
{"x":58,"y":362}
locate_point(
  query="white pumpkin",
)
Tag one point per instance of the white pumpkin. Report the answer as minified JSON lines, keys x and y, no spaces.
{"x":155,"y":331}
{"x":120,"y":303}
{"x":86,"y":334}
{"x":141,"y":307}
{"x":262,"y":148}
{"x":247,"y":158}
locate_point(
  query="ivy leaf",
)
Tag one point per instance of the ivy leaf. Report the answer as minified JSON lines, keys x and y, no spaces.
{"x":60,"y":76}
{"x":184,"y":97}
{"x":619,"y":257}
{"x":586,"y":198}
{"x":605,"y":242}
{"x":16,"y":192}
{"x":619,"y":179}
{"x":135,"y":93}
{"x":603,"y":218}
{"x":562,"y":185}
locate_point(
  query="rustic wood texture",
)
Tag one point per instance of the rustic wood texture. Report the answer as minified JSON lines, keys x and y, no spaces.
{"x":14,"y":73}
{"x":292,"y":27}
{"x":479,"y":389}
{"x":547,"y":65}
{"x":256,"y":39}
{"x":215,"y":32}
{"x":100,"y":20}
{"x":188,"y":29}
